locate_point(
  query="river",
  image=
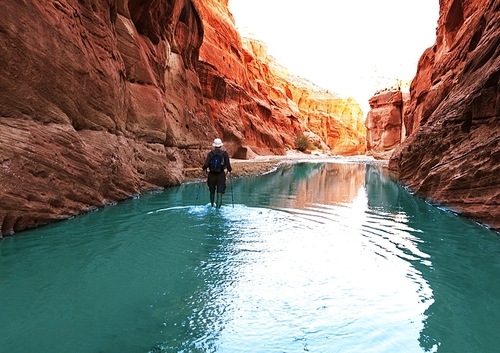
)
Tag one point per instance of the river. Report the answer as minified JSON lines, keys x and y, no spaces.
{"x":313,"y":257}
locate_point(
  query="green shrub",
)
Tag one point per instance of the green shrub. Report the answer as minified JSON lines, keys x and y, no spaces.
{"x":302,"y":142}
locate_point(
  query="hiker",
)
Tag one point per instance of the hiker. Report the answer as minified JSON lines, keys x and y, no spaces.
{"x":217,"y":160}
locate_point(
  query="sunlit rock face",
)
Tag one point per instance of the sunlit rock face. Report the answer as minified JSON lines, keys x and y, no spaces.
{"x":384,"y":123}
{"x":257,"y":106}
{"x":452,"y":153}
{"x":337,"y":121}
{"x":102,"y":100}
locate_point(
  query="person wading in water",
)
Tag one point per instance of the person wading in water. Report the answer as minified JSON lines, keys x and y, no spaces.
{"x":217,"y":160}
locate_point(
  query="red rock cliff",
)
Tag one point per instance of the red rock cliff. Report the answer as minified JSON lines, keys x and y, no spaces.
{"x":384,"y":123}
{"x":99,"y":100}
{"x":102,"y":100}
{"x":256,"y":105}
{"x":452,"y":154}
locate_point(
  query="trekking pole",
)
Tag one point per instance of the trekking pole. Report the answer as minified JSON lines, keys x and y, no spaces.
{"x":198,"y":193}
{"x":231,"y":183}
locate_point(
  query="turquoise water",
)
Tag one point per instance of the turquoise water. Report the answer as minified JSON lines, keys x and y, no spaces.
{"x":323,"y":257}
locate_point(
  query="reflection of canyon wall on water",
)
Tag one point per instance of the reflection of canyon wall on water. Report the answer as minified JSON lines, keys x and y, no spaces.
{"x":297,"y":186}
{"x":329,"y":184}
{"x":382,"y":192}
{"x":433,"y":244}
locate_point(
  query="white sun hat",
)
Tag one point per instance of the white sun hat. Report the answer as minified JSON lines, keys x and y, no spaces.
{"x":217,"y":143}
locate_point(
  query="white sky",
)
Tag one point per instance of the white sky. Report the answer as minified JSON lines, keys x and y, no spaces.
{"x":350,"y":47}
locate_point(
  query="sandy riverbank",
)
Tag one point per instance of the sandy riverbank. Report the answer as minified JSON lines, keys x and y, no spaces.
{"x":264,"y":164}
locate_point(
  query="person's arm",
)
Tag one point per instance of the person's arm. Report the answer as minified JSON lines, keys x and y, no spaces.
{"x":207,"y":161}
{"x":227,"y":162}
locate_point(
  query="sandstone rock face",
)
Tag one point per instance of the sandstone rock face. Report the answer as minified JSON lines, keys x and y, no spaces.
{"x":337,"y":121}
{"x":256,"y":105}
{"x":95,"y":101}
{"x":103,"y":100}
{"x":452,"y":153}
{"x":384,"y":123}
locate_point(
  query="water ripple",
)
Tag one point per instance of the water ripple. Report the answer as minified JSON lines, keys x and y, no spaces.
{"x":314,"y":257}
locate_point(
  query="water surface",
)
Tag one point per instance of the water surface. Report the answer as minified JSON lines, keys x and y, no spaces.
{"x":317,"y":257}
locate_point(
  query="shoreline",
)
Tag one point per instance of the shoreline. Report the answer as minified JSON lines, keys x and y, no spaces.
{"x":265,"y":164}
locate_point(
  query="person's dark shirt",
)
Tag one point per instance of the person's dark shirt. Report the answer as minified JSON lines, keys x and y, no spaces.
{"x":225,"y":156}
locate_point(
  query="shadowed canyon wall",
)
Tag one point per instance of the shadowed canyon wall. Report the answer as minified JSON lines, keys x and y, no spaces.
{"x":452,"y":153}
{"x":101,"y":100}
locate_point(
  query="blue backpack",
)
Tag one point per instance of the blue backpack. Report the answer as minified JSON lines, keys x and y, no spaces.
{"x":216,"y":162}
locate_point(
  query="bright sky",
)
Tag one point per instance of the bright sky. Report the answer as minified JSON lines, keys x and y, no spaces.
{"x":350,"y":47}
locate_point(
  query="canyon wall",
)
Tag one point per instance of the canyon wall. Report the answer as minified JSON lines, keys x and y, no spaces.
{"x":256,"y":105}
{"x":101,"y":100}
{"x":334,"y":120}
{"x":384,"y":123}
{"x":452,"y":153}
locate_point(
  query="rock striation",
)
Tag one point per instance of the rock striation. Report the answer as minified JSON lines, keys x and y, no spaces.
{"x":256,"y":105}
{"x":384,"y":123}
{"x":98,"y":102}
{"x":452,"y":151}
{"x":334,"y":120}
{"x":103,"y":100}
